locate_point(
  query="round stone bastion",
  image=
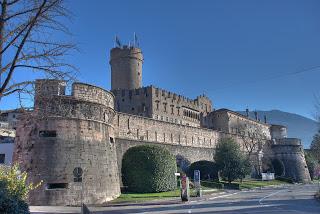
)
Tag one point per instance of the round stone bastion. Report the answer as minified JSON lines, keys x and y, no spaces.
{"x":67,"y":143}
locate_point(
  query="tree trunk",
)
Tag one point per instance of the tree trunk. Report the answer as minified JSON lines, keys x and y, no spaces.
{"x":2,"y":21}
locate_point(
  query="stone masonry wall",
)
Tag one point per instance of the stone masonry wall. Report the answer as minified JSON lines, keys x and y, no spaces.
{"x":78,"y":143}
{"x":133,"y":127}
{"x":65,"y":132}
{"x":290,"y":152}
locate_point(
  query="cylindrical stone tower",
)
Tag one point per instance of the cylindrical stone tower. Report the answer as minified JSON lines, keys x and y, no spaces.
{"x":278,"y":131}
{"x":126,"y":68}
{"x":290,"y":152}
{"x":64,"y":136}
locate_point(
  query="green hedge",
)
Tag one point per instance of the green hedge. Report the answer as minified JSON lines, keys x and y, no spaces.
{"x":211,"y":184}
{"x":228,"y":185}
{"x":285,"y":179}
{"x":208,"y":170}
{"x":148,"y":168}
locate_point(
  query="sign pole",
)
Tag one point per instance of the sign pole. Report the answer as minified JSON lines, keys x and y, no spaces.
{"x":196,"y":178}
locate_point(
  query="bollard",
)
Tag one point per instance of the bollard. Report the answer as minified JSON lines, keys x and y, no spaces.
{"x":185,"y":191}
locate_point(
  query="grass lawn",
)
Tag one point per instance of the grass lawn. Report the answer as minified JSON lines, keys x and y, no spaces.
{"x":142,"y":197}
{"x":139,"y":197}
{"x":249,"y":184}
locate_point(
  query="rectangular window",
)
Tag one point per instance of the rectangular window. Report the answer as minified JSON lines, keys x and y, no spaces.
{"x":2,"y":158}
{"x":47,"y":133}
{"x":57,"y":186}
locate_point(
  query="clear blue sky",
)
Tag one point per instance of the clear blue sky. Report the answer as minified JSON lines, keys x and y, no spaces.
{"x":236,"y":52}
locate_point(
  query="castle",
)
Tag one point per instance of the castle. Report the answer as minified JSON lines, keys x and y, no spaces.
{"x":92,"y":128}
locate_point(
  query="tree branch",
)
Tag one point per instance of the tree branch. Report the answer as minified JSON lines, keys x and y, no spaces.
{"x":4,"y":85}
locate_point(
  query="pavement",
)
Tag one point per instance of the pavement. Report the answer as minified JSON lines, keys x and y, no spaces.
{"x":280,"y":199}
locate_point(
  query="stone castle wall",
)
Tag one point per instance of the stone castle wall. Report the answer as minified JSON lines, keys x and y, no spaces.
{"x":66,"y":132}
{"x":163,"y":105}
{"x":290,"y":152}
{"x":133,"y":127}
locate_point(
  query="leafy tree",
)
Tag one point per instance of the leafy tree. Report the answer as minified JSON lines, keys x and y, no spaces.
{"x":231,"y":162}
{"x":315,"y":146}
{"x":312,"y":164}
{"x":14,"y":190}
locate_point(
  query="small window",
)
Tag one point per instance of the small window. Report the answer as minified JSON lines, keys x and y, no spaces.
{"x":2,"y":158}
{"x":111,"y":140}
{"x":47,"y":133}
{"x":57,"y":186}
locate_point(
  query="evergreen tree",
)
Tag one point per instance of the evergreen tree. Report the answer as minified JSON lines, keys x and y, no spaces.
{"x":230,"y":160}
{"x":315,"y":146}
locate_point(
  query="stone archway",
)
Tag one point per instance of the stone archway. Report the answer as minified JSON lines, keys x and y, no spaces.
{"x":182,"y":163}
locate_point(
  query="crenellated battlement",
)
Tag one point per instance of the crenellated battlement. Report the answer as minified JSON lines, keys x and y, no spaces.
{"x":85,"y":102}
{"x":92,"y":93}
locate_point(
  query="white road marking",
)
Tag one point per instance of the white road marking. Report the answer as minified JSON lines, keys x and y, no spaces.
{"x":223,"y":196}
{"x":272,"y":194}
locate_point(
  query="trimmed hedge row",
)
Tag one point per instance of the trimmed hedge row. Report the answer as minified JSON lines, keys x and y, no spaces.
{"x":148,"y":168}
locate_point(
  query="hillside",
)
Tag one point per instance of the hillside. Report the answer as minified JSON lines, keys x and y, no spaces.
{"x":298,"y":126}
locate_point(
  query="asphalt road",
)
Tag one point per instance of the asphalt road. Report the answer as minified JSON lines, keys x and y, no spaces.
{"x":280,"y":200}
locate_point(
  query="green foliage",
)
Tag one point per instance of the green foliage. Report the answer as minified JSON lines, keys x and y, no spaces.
{"x":210,"y":184}
{"x":278,"y":167}
{"x":230,"y":160}
{"x":148,"y":168}
{"x":315,"y":146}
{"x":208,"y":170}
{"x":232,"y":185}
{"x":312,"y":164}
{"x":14,"y":190}
{"x":284,"y":179}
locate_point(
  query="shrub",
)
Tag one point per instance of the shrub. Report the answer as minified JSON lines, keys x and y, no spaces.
{"x":210,"y":184}
{"x":288,"y":180}
{"x":148,"y":168}
{"x":14,"y":190}
{"x":10,"y":203}
{"x":232,"y":186}
{"x":208,"y":170}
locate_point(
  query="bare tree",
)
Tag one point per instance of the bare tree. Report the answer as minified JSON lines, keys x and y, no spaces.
{"x":253,"y":140}
{"x":28,"y":48}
